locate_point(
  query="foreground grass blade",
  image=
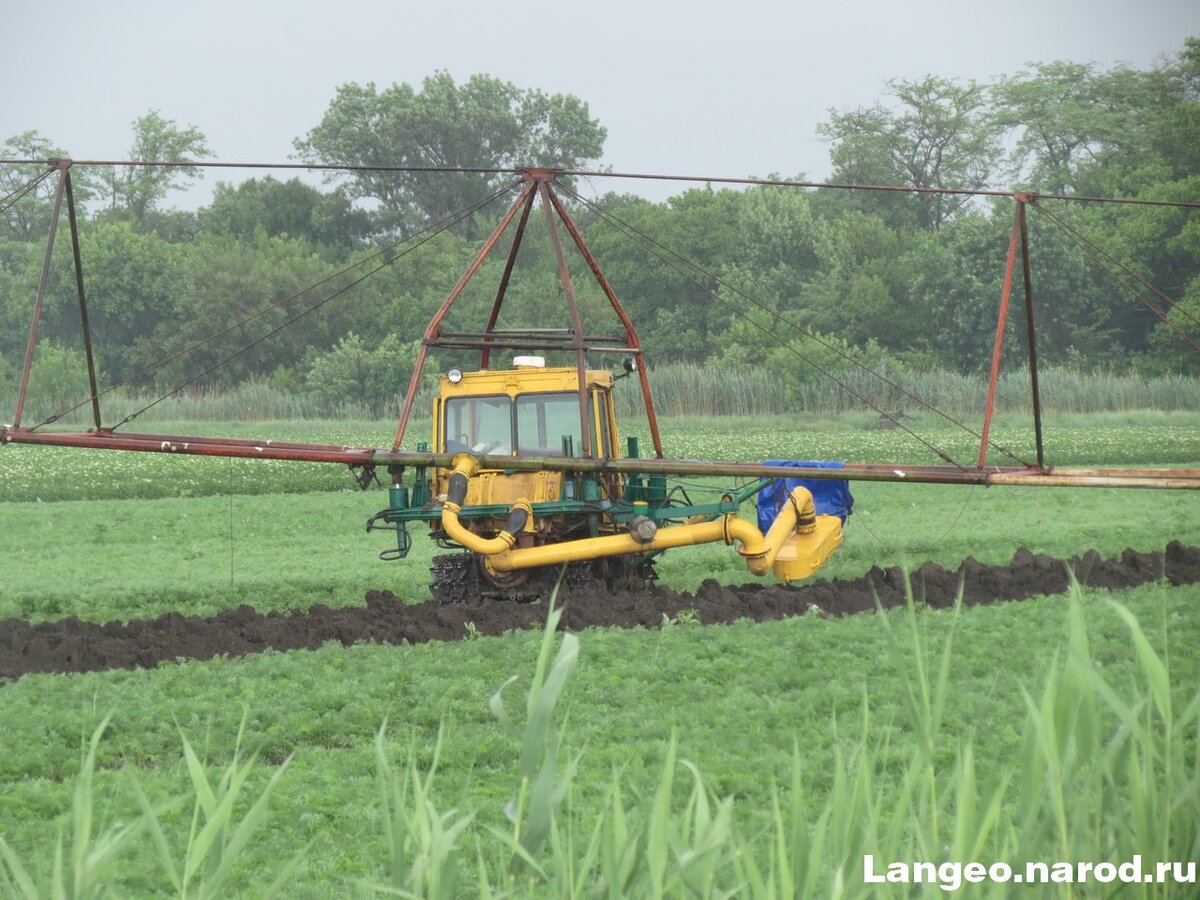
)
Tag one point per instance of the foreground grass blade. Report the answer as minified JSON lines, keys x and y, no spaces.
{"x":80,"y":870}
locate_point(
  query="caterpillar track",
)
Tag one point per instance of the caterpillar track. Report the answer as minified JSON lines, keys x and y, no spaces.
{"x":463,"y":578}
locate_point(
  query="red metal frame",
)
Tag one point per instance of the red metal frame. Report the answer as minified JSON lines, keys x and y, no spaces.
{"x":1180,"y":479}
{"x":31,"y":345}
{"x":1019,"y":237}
{"x":538,"y":183}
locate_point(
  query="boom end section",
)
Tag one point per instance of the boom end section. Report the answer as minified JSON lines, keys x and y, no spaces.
{"x":803,"y":554}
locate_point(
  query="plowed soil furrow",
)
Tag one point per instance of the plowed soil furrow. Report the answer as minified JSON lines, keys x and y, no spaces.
{"x":72,"y":645}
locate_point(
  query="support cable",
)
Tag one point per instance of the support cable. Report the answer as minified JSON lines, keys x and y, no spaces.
{"x":667,"y":252}
{"x":1099,"y":255}
{"x":312,"y":167}
{"x":8,"y":200}
{"x":590,"y":173}
{"x":427,"y":233}
{"x":892,"y":188}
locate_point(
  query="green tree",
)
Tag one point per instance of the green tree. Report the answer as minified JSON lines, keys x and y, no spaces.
{"x":230,"y":280}
{"x":134,"y":191}
{"x":20,"y":266}
{"x":483,"y":123}
{"x":374,"y":380}
{"x":57,"y":380}
{"x":865,"y":291}
{"x":135,"y":283}
{"x":28,"y":218}
{"x":1161,"y":244}
{"x":932,"y":133}
{"x":668,"y":273}
{"x":1069,"y":118}
{"x":1178,"y":137}
{"x":285,"y":209}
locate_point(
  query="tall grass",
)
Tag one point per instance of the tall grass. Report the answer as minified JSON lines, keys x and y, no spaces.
{"x":80,"y":868}
{"x":688,"y":389}
{"x":1107,"y":773}
{"x":219,"y":832}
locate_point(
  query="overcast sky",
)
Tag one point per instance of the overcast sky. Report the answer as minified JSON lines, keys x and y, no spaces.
{"x":699,"y":87}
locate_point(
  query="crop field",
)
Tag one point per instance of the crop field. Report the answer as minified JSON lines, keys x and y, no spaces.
{"x":809,"y":741}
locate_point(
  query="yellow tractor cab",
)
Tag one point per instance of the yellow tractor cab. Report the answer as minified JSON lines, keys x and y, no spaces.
{"x":527,"y":411}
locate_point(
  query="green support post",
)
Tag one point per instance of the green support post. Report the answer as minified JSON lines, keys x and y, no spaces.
{"x":635,"y":485}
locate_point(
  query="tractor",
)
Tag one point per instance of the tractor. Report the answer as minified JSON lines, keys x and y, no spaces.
{"x":514,"y":529}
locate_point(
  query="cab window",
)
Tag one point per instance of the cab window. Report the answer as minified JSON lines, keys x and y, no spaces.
{"x":479,"y":425}
{"x":543,"y":420}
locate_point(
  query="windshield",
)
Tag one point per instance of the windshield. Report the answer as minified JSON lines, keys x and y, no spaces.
{"x":539,"y":423}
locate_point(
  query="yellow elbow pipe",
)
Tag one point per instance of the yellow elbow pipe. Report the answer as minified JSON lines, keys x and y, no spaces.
{"x":472,"y":541}
{"x":797,"y":516}
{"x":464,"y":464}
{"x":518,"y":514}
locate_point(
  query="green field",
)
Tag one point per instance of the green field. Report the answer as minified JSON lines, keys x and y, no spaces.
{"x":118,"y":536}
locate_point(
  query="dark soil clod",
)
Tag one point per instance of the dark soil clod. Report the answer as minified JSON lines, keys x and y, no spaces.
{"x":72,"y":645}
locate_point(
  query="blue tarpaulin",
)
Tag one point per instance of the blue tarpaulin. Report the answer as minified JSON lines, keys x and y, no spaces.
{"x":830,"y":497}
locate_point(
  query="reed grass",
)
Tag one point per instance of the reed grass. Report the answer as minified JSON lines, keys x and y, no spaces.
{"x":690,"y":389}
{"x":80,"y":869}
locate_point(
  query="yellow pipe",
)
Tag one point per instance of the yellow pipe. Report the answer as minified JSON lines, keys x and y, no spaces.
{"x":758,"y":551}
{"x":469,"y":539}
{"x":798,"y":515}
{"x":465,"y":465}
{"x":609,"y":545}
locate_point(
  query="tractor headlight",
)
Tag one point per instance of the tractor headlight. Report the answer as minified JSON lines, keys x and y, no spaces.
{"x":454,"y":375}
{"x":630,"y":364}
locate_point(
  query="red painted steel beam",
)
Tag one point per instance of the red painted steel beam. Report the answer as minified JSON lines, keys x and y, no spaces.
{"x":1172,"y":479}
{"x":486,"y":356}
{"x":31,"y":346}
{"x":631,"y":337}
{"x":585,"y":415}
{"x":1001,"y":321}
{"x":191,"y":445}
{"x":84,"y":325}
{"x":1030,"y":329}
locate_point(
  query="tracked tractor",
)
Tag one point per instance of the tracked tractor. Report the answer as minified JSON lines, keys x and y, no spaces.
{"x":512,"y":523}
{"x":538,"y":484}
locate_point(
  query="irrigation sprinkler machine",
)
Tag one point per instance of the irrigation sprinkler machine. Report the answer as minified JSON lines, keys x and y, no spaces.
{"x":526,"y":481}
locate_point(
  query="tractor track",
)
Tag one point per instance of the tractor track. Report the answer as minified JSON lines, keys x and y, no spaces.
{"x":72,"y":645}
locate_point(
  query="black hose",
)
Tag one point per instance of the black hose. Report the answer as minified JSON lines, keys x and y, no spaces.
{"x":517,"y":517}
{"x":457,"y":492}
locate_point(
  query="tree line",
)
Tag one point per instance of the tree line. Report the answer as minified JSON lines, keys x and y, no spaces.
{"x":800,"y":281}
